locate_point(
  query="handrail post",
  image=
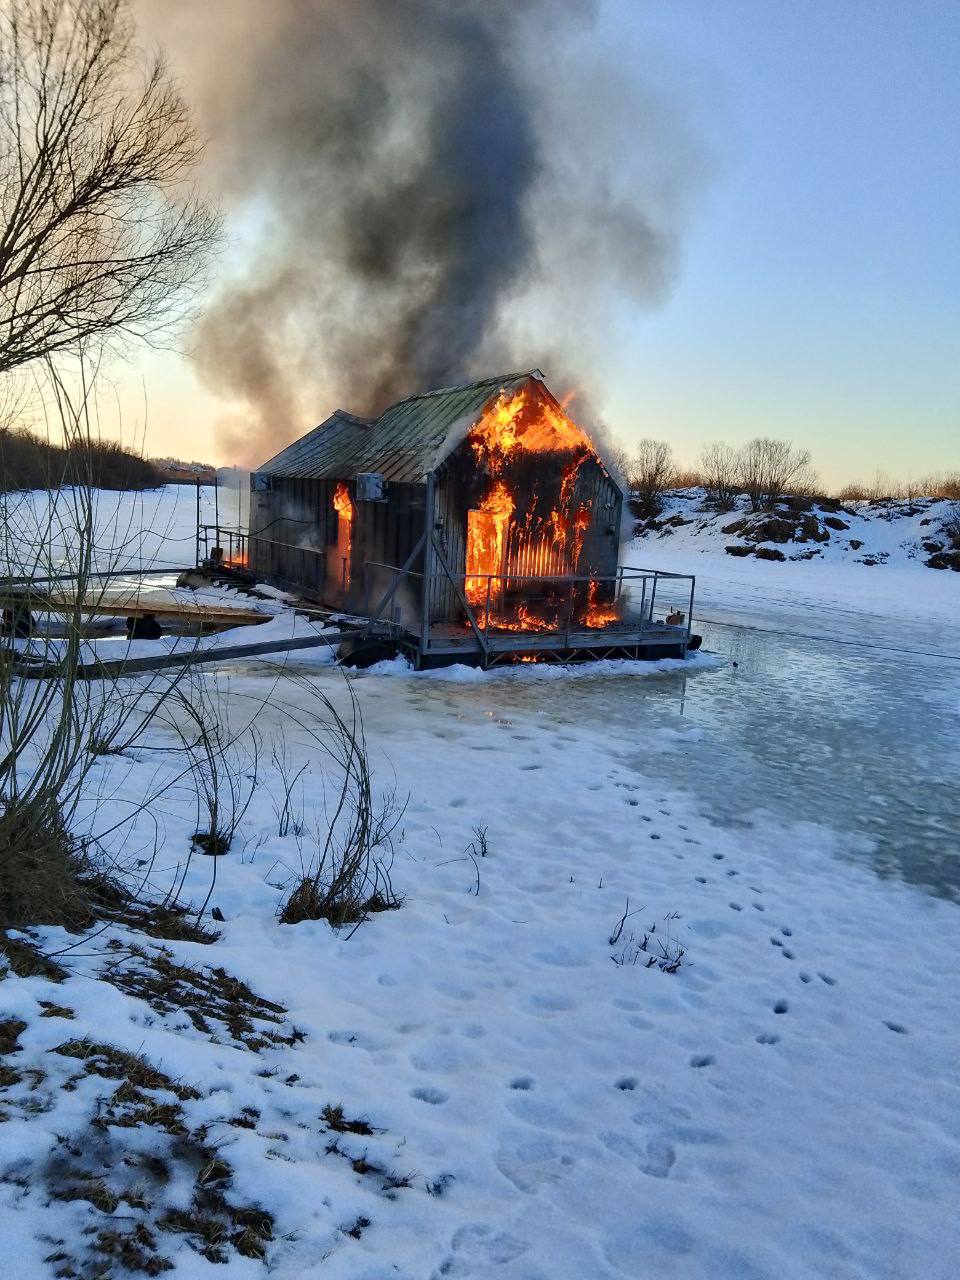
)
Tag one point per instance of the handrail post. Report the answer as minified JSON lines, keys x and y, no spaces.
{"x":569,"y":610}
{"x":693,"y":583}
{"x":427,"y":588}
{"x":653,"y":595}
{"x":486,"y":616}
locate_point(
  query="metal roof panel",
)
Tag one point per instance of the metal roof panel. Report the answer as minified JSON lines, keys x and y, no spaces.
{"x":408,"y":440}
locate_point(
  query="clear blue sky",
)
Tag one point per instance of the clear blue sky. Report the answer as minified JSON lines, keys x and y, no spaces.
{"x":819,"y":290}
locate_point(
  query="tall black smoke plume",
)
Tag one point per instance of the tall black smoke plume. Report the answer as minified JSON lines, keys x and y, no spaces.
{"x":425,"y":190}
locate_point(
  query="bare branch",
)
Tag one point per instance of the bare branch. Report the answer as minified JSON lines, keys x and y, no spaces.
{"x":100,"y":238}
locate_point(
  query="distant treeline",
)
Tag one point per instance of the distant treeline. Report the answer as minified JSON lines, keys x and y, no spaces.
{"x":28,"y":461}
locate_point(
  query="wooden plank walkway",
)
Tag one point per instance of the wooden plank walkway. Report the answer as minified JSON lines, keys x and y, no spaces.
{"x":119,"y":667}
{"x":160,"y":603}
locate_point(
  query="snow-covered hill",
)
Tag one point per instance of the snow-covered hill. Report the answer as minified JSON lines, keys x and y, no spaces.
{"x":922,"y":532}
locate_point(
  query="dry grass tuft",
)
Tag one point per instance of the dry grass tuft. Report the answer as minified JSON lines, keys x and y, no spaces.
{"x":116,"y":1064}
{"x":218,"y":1004}
{"x":28,"y":961}
{"x":41,"y":870}
{"x":10,"y":1029}
{"x":334,"y":1118}
{"x":51,"y":1010}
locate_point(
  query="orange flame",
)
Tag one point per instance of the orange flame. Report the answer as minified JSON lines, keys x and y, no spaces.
{"x":510,"y":532}
{"x":517,"y":424}
{"x":508,"y":425}
{"x":486,"y":541}
{"x":599,"y":615}
{"x":344,"y":509}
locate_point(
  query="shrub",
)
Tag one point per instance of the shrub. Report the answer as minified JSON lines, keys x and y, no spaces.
{"x":720,"y":469}
{"x":651,"y":472}
{"x":769,"y":469}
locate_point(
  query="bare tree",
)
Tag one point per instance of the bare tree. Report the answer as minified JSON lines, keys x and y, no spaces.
{"x":651,"y":472}
{"x":99,"y":237}
{"x":769,"y":469}
{"x":720,"y":468}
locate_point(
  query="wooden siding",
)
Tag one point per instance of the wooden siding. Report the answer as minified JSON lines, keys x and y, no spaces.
{"x":295,"y":520}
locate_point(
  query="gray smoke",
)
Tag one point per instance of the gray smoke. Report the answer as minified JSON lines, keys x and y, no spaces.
{"x":425,"y":191}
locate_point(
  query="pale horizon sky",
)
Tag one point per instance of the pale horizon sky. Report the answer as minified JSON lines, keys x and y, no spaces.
{"x":817,"y":293}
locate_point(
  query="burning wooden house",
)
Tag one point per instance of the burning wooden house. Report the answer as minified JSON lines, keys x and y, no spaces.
{"x":474,"y":520}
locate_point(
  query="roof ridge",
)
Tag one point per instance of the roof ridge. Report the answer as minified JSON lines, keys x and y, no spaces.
{"x":464,"y":386}
{"x":351,"y":417}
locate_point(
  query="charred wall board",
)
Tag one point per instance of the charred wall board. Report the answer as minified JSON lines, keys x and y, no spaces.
{"x":294,"y":532}
{"x":537,"y":486}
{"x":287,"y":531}
{"x":385,"y":533}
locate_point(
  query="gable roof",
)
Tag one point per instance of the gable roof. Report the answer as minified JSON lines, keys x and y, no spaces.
{"x":407,"y":441}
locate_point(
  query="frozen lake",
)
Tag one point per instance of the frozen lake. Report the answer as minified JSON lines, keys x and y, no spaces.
{"x":856,"y":738}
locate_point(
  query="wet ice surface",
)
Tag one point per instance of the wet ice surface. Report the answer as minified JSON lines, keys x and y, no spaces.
{"x":860,"y":739}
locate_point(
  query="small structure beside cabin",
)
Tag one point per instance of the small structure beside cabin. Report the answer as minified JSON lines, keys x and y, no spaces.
{"x":511,"y":487}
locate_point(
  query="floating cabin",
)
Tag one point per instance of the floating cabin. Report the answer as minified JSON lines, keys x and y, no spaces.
{"x":473,"y":520}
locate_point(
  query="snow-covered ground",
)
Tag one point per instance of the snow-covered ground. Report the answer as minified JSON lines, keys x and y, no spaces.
{"x":537,"y":1102}
{"x":834,"y":592}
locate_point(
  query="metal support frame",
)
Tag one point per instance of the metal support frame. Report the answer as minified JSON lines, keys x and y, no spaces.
{"x":400,"y":574}
{"x":426,"y":601}
{"x":481,"y":638}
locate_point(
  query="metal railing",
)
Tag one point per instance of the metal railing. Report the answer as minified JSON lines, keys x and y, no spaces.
{"x":551,"y":605}
{"x":221,"y":547}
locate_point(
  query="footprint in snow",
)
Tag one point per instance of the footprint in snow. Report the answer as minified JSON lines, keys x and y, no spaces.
{"x":702,"y":1060}
{"x":896,"y":1026}
{"x":551,"y":1003}
{"x":661,"y":1158}
{"x":767,"y":1037}
{"x":626,"y":1083}
{"x":825,"y":977}
{"x":524,"y":1083}
{"x":432,"y":1096}
{"x":781,"y":1006}
{"x":734,"y":906}
{"x":482,"y":1244}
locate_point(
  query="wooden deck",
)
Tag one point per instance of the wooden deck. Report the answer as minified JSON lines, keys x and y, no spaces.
{"x":135,"y":602}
